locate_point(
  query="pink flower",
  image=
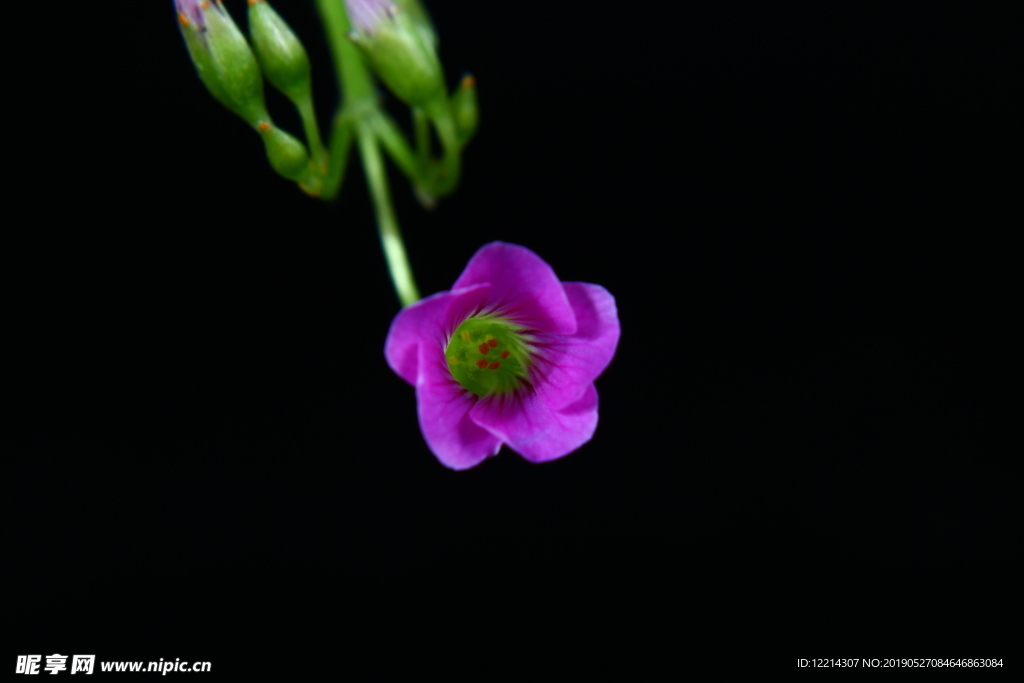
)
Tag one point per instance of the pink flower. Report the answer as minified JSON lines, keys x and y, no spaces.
{"x":508,"y":356}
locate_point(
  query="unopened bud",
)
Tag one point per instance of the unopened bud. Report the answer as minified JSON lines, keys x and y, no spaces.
{"x":286,"y":154}
{"x":401,"y":54}
{"x":464,"y":109}
{"x":222,"y":58}
{"x":420,"y":19}
{"x":280,"y":53}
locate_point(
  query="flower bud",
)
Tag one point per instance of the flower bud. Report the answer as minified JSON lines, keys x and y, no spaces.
{"x":420,"y":19}
{"x":279,"y":51}
{"x":398,"y":50}
{"x":225,"y":64}
{"x":464,"y":108}
{"x":287,"y":155}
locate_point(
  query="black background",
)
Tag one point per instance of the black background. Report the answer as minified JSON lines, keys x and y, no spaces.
{"x":801,"y":211}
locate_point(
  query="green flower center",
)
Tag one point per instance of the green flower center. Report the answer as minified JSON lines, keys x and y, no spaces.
{"x":488,"y":356}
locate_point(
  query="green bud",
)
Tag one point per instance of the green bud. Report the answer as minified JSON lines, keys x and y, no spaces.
{"x":222,"y":58}
{"x":464,"y":109}
{"x":286,"y":154}
{"x":279,"y":51}
{"x":398,"y":51}
{"x":421,"y":19}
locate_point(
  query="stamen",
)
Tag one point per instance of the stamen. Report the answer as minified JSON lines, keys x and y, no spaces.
{"x":493,"y":343}
{"x":183,"y":20}
{"x":494,"y":365}
{"x":504,"y":355}
{"x":465,"y":335}
{"x":481,"y":363}
{"x":453,"y":360}
{"x":484,"y":348}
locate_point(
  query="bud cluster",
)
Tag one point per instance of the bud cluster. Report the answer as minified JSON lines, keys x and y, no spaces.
{"x":393,"y":39}
{"x":231,"y":70}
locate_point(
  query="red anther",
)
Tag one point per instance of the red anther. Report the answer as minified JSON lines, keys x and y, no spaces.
{"x":504,"y":355}
{"x":484,"y":348}
{"x":493,"y":343}
{"x":481,"y":363}
{"x":494,"y":365}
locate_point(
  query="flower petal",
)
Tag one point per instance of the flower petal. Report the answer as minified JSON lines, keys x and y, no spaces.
{"x":532,"y":429}
{"x":444,"y":408}
{"x":522,"y":285}
{"x":565,"y":365}
{"x":431,"y":321}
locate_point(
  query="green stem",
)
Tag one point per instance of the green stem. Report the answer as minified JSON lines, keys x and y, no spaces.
{"x":353,"y":78}
{"x":359,"y":108}
{"x":337,"y":159}
{"x":423,"y":185}
{"x":451,"y":162}
{"x":421,"y":125}
{"x":309,"y":124}
{"x":395,"y":144}
{"x":390,"y":236}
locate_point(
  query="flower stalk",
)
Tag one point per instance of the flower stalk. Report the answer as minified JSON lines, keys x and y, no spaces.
{"x":356,"y":118}
{"x":387,"y":223}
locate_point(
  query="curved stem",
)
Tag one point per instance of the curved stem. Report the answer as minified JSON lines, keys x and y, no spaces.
{"x":309,"y":125}
{"x":422,"y":126}
{"x":337,"y":157}
{"x":360,"y":114}
{"x":395,"y":144}
{"x":390,"y":235}
{"x":451,"y":160}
